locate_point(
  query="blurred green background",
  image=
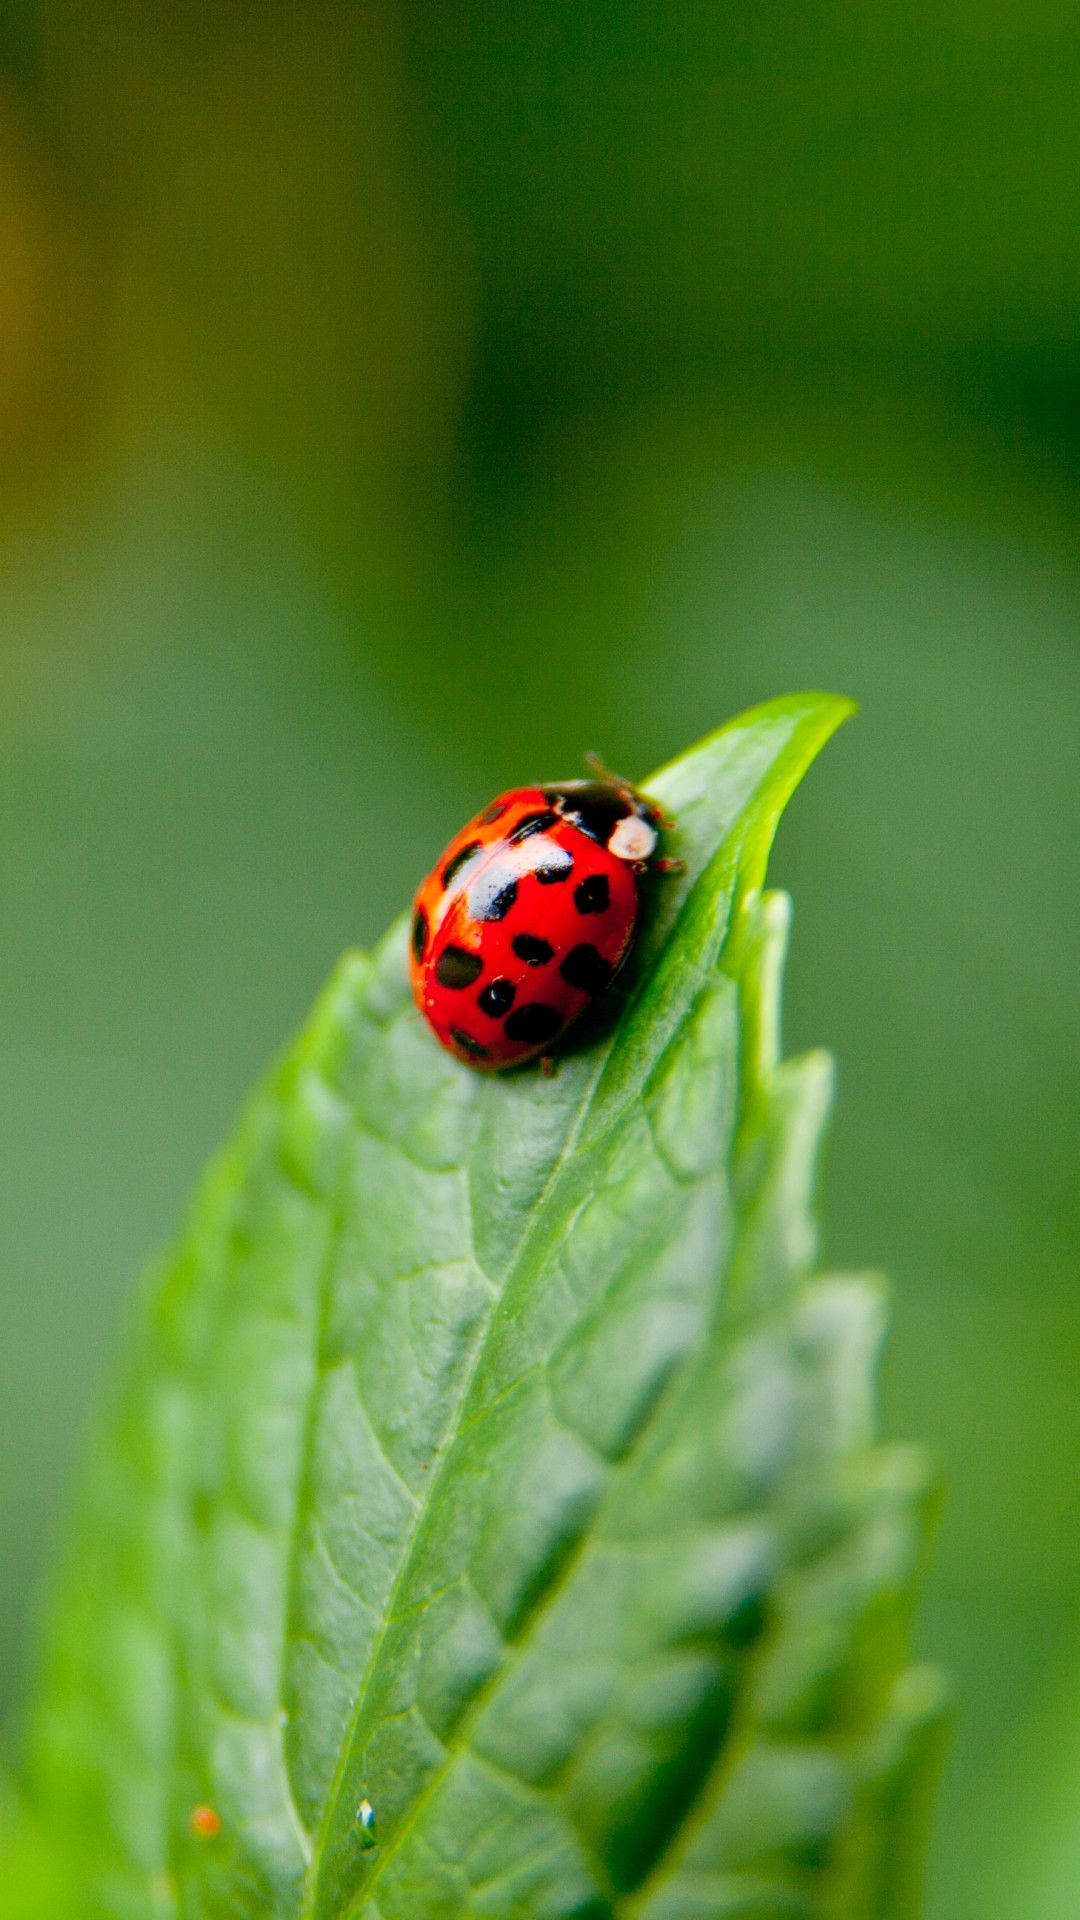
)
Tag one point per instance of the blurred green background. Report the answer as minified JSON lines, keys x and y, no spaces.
{"x":395,"y":402}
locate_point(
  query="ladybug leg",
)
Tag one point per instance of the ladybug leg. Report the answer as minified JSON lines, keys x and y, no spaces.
{"x":549,"y":1066}
{"x":666,"y":865}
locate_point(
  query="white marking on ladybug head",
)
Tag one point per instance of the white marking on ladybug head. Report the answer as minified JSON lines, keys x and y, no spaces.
{"x":632,"y":839}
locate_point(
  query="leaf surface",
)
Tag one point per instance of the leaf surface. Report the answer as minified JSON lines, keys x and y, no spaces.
{"x":489,"y":1457}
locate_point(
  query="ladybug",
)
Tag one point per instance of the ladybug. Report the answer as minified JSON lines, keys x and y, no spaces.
{"x":530,"y":914}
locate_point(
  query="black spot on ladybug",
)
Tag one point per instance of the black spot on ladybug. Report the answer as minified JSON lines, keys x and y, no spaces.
{"x":456,"y":967}
{"x":497,"y":998}
{"x":534,"y":1023}
{"x":492,"y":813}
{"x":530,"y":948}
{"x":593,"y":895}
{"x":587,"y":969}
{"x":533,"y":823}
{"x":468,"y":1045}
{"x":419,"y":933}
{"x":493,"y":895}
{"x":558,"y":865}
{"x":455,"y":865}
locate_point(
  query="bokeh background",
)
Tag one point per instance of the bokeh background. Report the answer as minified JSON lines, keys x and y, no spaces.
{"x":396,"y":401}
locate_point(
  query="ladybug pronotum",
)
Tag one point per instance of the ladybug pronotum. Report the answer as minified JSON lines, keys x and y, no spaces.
{"x":529,"y":916}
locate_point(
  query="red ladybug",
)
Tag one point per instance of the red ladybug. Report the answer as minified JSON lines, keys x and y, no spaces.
{"x":529,"y":915}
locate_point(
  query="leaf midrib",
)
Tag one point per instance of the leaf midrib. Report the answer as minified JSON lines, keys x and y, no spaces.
{"x":462,"y":1732}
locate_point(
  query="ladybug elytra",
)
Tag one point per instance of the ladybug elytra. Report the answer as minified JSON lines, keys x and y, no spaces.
{"x":529,"y":916}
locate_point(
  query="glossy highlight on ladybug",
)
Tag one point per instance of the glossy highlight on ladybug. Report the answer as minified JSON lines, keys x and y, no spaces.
{"x":529,"y":916}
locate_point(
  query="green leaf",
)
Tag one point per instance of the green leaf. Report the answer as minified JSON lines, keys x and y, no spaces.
{"x":489,"y":1456}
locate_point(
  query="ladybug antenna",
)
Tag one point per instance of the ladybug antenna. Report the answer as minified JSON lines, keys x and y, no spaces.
{"x":598,"y":765}
{"x":600,"y":770}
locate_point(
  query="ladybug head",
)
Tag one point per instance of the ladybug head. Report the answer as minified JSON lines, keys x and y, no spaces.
{"x":610,"y":812}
